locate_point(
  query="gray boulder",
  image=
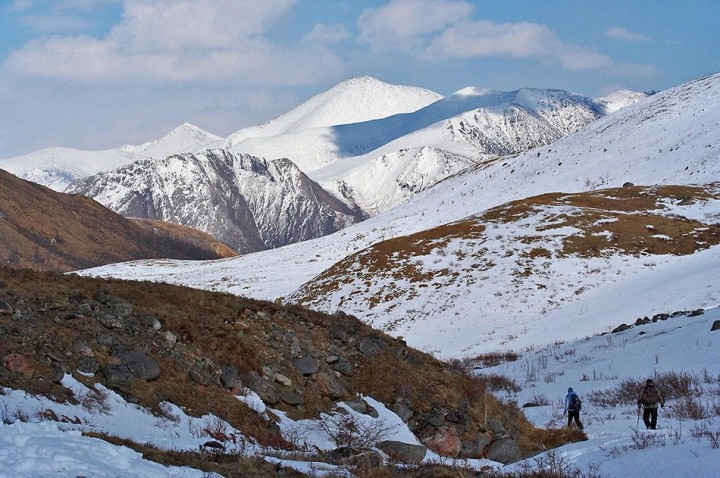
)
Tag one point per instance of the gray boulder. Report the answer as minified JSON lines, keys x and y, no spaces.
{"x":329,"y":386}
{"x":371,"y":346}
{"x":118,"y":376}
{"x":504,"y":451}
{"x":621,"y":328}
{"x":715,"y":326}
{"x":402,"y":410}
{"x":306,"y":365}
{"x":291,"y":397}
{"x":403,"y":452}
{"x":229,"y":377}
{"x":343,"y":366}
{"x":141,"y":365}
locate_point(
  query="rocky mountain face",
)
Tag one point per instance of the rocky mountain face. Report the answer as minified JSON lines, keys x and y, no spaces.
{"x":247,"y":202}
{"x":44,"y":229}
{"x":145,"y":342}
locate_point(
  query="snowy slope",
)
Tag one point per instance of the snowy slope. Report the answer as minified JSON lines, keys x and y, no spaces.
{"x":57,"y":167}
{"x":246,"y":202}
{"x":620,"y":99}
{"x":597,"y":365}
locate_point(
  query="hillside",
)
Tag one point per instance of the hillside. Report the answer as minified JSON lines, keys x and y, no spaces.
{"x":552,"y":265}
{"x":131,"y":363}
{"x":44,"y":229}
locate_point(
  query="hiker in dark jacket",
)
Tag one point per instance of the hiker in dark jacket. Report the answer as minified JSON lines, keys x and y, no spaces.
{"x":649,"y":399}
{"x":572,"y":408}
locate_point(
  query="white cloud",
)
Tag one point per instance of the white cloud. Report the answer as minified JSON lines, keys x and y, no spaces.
{"x":328,"y":34}
{"x":620,"y":33}
{"x":166,"y":40}
{"x":404,"y":23}
{"x":517,"y":40}
{"x":169,"y":25}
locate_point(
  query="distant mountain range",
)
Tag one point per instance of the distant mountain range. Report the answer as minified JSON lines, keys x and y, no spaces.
{"x":470,"y":264}
{"x":349,"y":170}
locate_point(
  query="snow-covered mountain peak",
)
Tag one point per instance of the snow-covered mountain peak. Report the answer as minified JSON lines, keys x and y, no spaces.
{"x":186,"y":137}
{"x":620,"y":99}
{"x":352,"y":101}
{"x":473,"y":91}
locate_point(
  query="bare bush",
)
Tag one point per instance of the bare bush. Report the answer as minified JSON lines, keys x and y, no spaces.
{"x":540,"y":399}
{"x":673,"y":385}
{"x":551,"y":465}
{"x":499,"y":383}
{"x":491,"y":359}
{"x":346,"y":429}
{"x":688,"y":408}
{"x":22,"y":415}
{"x":96,"y":401}
{"x":5,"y":414}
{"x":703,"y":431}
{"x":640,"y":440}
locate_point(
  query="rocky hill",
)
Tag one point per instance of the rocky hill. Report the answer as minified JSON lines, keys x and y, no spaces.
{"x":44,"y":229}
{"x":162,"y":346}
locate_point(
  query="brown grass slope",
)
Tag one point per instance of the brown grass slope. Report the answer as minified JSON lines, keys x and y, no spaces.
{"x":46,"y":230}
{"x":57,"y":321}
{"x":626,"y":221}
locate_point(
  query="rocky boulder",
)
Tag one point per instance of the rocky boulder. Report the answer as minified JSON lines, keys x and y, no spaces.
{"x":118,"y":377}
{"x":329,"y":386}
{"x":504,"y":450}
{"x":306,"y":365}
{"x":445,"y":442}
{"x":19,"y":364}
{"x":140,"y":364}
{"x":715,"y":326}
{"x":403,"y":452}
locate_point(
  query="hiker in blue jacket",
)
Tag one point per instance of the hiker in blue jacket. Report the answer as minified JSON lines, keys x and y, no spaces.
{"x":573,"y":404}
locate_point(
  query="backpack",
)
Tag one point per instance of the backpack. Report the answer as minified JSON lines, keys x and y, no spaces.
{"x":650,"y":395}
{"x":575,"y":404}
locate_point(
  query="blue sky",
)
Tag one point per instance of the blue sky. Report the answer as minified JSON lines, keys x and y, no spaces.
{"x":96,"y":74}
